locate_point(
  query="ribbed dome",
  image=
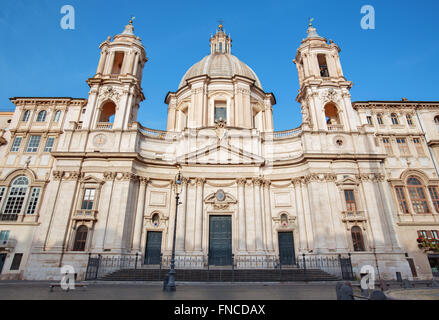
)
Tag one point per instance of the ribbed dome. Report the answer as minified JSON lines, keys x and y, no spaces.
{"x":223,"y":65}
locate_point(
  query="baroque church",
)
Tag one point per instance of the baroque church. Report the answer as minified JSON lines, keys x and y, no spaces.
{"x":81,"y":177}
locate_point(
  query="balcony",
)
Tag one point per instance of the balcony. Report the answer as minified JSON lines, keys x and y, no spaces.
{"x":104,"y":125}
{"x":335,"y":127}
{"x":8,"y":217}
{"x":85,"y":215}
{"x":428,"y":245}
{"x":353,"y":216}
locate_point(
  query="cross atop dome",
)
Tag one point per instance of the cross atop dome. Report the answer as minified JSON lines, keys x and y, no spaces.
{"x":312,"y":32}
{"x":129,"y":28}
{"x":220,"y":42}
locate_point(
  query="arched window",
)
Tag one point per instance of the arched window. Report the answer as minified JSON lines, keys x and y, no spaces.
{"x":108,"y":112}
{"x":57,"y":116}
{"x":380,"y":119}
{"x":42,"y":116}
{"x":394,"y":119}
{"x":331,"y":114}
{"x":16,"y":197}
{"x":357,"y":239}
{"x":80,"y":239}
{"x":26,"y":115}
{"x":436,"y":121}
{"x":323,"y":66}
{"x":409,"y":120}
{"x":417,"y":195}
{"x":155,"y":219}
{"x":284,"y":220}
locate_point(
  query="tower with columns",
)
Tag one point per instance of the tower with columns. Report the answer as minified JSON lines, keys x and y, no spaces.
{"x":115,"y":90}
{"x":324,"y":91}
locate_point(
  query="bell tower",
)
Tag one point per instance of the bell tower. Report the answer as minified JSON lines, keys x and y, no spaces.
{"x":324,"y":91}
{"x":115,"y":90}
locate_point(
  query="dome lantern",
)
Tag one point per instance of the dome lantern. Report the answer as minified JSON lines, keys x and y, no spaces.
{"x":220,"y":42}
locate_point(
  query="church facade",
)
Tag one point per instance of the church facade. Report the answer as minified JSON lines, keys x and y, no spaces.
{"x":82,"y":176}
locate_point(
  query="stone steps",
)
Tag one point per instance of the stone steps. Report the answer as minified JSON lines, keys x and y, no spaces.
{"x":216,"y":275}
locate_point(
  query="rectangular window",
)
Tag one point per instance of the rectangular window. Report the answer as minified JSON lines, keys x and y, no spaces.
{"x":423,"y":234}
{"x":435,"y":234}
{"x":4,"y":236}
{"x":388,"y":146}
{"x":49,"y":144}
{"x":323,"y":67}
{"x":401,"y":199}
{"x":380,"y":120}
{"x":16,"y":144}
{"x":33,"y":144}
{"x":419,"y":147}
{"x":15,"y":200}
{"x":369,"y":120}
{"x":435,"y":197}
{"x":33,"y":201}
{"x":403,"y":147}
{"x":350,"y":201}
{"x":16,"y":261}
{"x":118,"y":61}
{"x":88,"y":199}
{"x":220,"y":111}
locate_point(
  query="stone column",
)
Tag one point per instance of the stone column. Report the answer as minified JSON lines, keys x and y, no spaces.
{"x":181,"y":222}
{"x":375,"y":217}
{"x":102,"y":62}
{"x":268,"y":227}
{"x":139,"y":214}
{"x":241,"y":214}
{"x":104,"y":211}
{"x":307,"y":215}
{"x":199,"y":215}
{"x":258,"y":210}
{"x":303,"y":245}
{"x":109,"y":63}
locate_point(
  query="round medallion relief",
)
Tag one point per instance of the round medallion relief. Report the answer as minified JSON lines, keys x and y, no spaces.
{"x":99,"y":140}
{"x":220,"y":195}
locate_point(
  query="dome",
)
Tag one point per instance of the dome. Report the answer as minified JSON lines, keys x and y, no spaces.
{"x":220,"y":65}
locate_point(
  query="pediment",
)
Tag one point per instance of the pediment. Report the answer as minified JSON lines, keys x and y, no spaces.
{"x":221,"y":155}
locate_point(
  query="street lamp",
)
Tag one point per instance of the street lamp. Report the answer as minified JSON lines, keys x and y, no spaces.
{"x":170,"y":285}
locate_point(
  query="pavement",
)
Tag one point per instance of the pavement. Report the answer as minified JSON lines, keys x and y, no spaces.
{"x":414,"y":294}
{"x":185,"y":291}
{"x":104,"y":290}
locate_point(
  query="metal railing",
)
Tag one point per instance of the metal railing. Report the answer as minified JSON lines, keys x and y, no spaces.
{"x":100,"y":266}
{"x":9,"y":217}
{"x":335,"y":127}
{"x":104,"y":125}
{"x":85,"y":214}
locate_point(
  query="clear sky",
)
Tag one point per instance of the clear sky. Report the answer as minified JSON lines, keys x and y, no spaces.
{"x":397,"y":59}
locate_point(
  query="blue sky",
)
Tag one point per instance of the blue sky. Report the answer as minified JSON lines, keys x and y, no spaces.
{"x":397,"y":59}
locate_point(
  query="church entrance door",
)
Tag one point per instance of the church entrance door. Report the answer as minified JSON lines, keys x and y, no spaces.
{"x":2,"y":261}
{"x":153,"y":247}
{"x":220,"y":240}
{"x":286,"y":248}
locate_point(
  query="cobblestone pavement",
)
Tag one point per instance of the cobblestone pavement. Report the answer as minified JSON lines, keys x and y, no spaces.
{"x":185,"y":291}
{"x":414,"y":294}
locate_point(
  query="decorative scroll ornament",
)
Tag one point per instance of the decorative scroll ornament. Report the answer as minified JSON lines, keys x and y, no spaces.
{"x":110,"y":93}
{"x":329,"y":95}
{"x":220,"y":200}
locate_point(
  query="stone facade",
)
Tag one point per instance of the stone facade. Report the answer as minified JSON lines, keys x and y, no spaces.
{"x":97,"y":181}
